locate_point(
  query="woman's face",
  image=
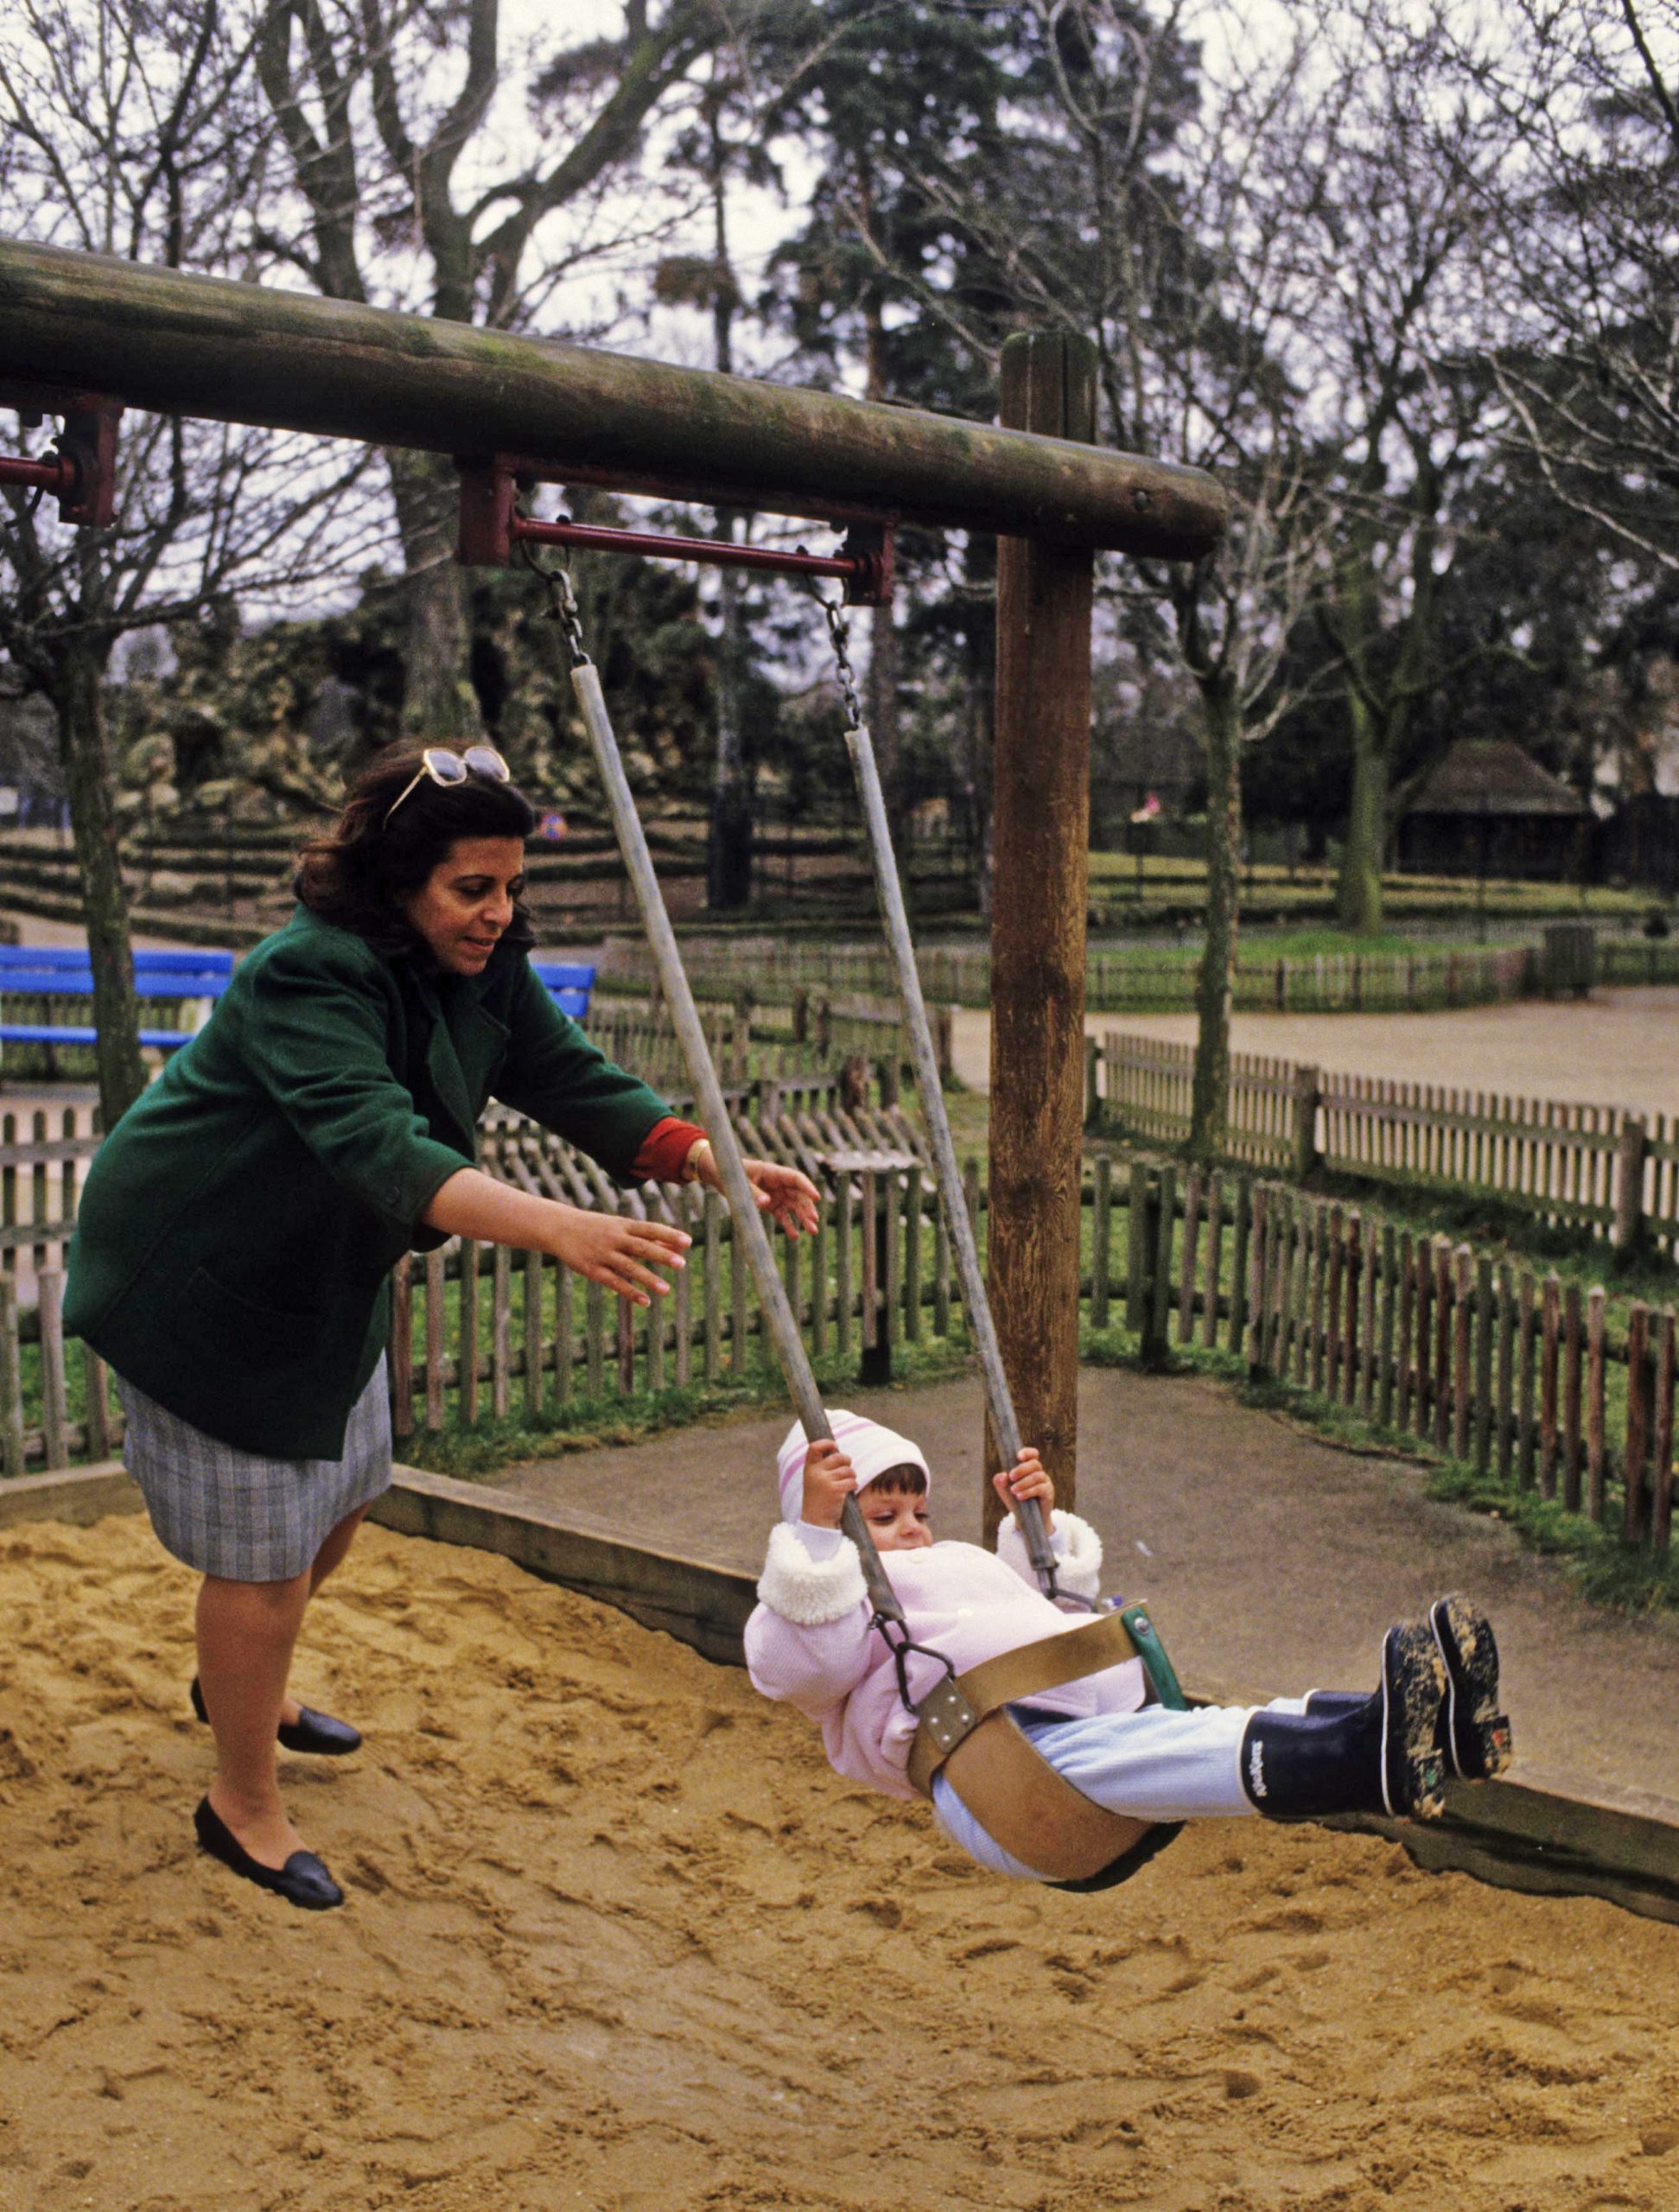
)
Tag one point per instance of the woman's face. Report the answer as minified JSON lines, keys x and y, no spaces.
{"x":467,"y":902}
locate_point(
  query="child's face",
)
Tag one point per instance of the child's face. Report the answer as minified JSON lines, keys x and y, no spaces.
{"x":898,"y":1521}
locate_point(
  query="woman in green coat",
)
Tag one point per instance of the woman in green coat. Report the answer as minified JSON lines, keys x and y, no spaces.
{"x":238,"y":1227}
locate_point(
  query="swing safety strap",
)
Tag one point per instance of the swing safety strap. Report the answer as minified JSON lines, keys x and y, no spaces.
{"x":1017,"y":1797}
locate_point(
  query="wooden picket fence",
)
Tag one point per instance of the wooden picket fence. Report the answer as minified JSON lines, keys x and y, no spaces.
{"x":473,"y":1331}
{"x":752,"y":1039}
{"x":1516,"y":1375}
{"x":45,"y":1153}
{"x":1522,"y":1377}
{"x":1603,"y":1169}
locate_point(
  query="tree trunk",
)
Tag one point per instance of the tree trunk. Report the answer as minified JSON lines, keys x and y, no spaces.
{"x":1210,"y":1086}
{"x":87,"y":776}
{"x":729,"y":843}
{"x":440,"y":706}
{"x":1359,"y":896}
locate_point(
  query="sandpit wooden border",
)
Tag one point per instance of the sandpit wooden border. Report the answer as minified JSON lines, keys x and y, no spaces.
{"x":1505,"y":1833}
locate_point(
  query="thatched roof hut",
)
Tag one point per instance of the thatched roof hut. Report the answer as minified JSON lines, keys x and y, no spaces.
{"x":1486,"y":807}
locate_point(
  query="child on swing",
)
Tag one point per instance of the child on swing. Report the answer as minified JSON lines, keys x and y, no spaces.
{"x":811,"y":1640}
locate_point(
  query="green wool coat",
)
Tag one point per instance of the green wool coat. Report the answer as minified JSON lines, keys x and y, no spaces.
{"x":236,"y":1235}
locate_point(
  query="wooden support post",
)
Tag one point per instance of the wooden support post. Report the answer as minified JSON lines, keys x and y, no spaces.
{"x":1041,"y":838}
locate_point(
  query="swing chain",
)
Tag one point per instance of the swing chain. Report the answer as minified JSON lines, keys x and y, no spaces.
{"x":839,"y":630}
{"x":562,"y":599}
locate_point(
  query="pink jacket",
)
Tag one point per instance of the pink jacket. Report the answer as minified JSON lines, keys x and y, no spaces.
{"x":809,"y":1638}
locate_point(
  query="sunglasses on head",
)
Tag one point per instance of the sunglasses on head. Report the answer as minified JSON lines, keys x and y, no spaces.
{"x":447,"y":768}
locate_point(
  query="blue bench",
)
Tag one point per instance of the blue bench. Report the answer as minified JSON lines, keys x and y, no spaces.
{"x":64,"y":971}
{"x":566,"y":983}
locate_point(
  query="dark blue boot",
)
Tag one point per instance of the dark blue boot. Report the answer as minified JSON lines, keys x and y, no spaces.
{"x":1374,"y":1755}
{"x":1471,"y":1733}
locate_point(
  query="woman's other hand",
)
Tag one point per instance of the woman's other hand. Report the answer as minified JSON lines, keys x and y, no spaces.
{"x":615,"y":1252}
{"x":829,"y":1479}
{"x":789,"y":1198}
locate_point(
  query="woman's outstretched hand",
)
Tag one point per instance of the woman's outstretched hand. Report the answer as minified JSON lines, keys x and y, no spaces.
{"x":618,"y":1253}
{"x":789,"y":1198}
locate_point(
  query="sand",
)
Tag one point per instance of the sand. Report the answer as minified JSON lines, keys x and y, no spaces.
{"x":617,"y":1938}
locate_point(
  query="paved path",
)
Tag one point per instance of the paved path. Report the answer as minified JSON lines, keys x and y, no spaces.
{"x":1620,"y":1048}
{"x":1273,"y":1560}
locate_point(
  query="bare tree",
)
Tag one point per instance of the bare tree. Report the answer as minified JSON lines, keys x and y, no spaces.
{"x":1580,"y":265}
{"x":133,"y":133}
{"x":388,"y":110}
{"x":1152,"y":208}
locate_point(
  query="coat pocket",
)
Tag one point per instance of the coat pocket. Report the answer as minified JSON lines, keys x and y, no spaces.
{"x":229,"y":1325}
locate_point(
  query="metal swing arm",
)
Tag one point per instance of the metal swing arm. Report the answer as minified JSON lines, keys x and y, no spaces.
{"x":81,"y":472}
{"x":492,"y":528}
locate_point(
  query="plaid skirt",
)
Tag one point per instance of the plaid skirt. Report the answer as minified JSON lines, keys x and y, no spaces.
{"x":241,"y":1517}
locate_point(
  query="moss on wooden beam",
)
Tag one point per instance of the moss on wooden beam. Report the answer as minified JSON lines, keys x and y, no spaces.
{"x":177,"y":344}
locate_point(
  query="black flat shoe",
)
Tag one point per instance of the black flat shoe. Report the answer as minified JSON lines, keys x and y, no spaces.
{"x":311,"y":1732}
{"x":302,"y":1880}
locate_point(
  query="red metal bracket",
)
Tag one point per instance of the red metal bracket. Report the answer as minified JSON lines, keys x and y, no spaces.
{"x":491,"y":527}
{"x":81,"y":471}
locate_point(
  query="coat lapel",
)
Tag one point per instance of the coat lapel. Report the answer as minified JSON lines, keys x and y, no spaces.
{"x":466,"y":1043}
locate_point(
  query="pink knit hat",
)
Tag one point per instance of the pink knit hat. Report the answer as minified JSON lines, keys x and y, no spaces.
{"x":869,"y":1447}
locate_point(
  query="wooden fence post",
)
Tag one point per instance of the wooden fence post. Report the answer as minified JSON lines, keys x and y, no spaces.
{"x":1630,"y":1156}
{"x":1101,"y":1230}
{"x":1260,"y":1253}
{"x":1661,"y":1500}
{"x":1573,"y":1358}
{"x":1307,"y":1092}
{"x":1528,"y":1338}
{"x":1596,"y":1470}
{"x":1635,"y":1494}
{"x":401,"y":1368}
{"x":1160,"y":1299}
{"x":1551,"y":1298}
{"x":1137,"y":1248}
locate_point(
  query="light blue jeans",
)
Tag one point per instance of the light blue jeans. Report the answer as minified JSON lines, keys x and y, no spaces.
{"x":1154,"y":1764}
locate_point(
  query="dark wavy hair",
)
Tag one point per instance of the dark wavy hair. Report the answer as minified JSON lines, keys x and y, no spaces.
{"x":360,"y":872}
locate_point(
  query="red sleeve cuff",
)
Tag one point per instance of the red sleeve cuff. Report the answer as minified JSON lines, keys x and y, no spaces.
{"x":665,"y":1151}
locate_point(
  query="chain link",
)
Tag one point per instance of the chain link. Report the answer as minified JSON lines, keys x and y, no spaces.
{"x":839,"y":630}
{"x":562,"y":599}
